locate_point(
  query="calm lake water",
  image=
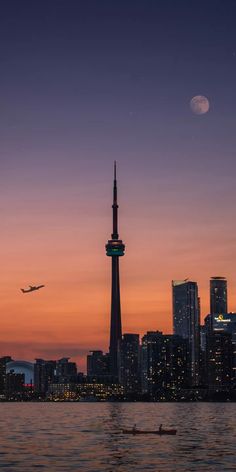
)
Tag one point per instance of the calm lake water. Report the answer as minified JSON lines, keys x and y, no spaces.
{"x":87,"y":437}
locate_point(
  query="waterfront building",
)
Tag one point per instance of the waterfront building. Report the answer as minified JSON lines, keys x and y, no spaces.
{"x":226,"y":323}
{"x":129,"y":365}
{"x":98,"y":366}
{"x":53,"y":371}
{"x":66,"y":372}
{"x":14,"y":385}
{"x":62,"y":391}
{"x":44,"y":374}
{"x":218,"y":295}
{"x":3,"y":367}
{"x":186,"y":321}
{"x":115,"y":249}
{"x":149,"y":361}
{"x":97,"y":391}
{"x":219,"y":361}
{"x":163,"y":365}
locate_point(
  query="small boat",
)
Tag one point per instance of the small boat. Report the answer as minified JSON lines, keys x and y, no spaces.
{"x":161,"y":432}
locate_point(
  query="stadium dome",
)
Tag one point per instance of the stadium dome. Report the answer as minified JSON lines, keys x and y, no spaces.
{"x":22,"y":367}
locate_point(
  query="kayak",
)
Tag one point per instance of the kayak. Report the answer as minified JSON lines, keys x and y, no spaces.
{"x":170,"y":432}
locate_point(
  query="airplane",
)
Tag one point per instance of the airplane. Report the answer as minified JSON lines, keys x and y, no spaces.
{"x":32,"y":289}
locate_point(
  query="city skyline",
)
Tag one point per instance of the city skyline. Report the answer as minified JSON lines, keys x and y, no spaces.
{"x":76,"y":94}
{"x":114,"y":236}
{"x":71,"y":350}
{"x":195,"y":363}
{"x":104,"y":344}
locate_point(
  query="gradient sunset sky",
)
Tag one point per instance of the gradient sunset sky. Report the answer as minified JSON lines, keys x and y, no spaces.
{"x":83,"y":83}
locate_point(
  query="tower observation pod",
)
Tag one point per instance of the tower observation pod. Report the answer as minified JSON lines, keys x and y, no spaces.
{"x":115,"y":249}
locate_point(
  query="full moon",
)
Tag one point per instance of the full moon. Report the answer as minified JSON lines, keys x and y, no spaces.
{"x":199,"y":104}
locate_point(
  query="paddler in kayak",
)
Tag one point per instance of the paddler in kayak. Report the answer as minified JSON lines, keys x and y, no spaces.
{"x":134,"y":429}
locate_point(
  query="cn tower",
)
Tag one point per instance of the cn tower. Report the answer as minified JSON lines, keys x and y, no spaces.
{"x":114,"y":249}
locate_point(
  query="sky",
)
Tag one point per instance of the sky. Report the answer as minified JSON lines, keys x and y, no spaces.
{"x":83,"y":84}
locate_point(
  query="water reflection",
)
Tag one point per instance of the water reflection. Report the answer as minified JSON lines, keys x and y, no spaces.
{"x":87,"y":437}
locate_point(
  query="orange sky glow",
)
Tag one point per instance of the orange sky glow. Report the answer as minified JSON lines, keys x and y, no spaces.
{"x":63,"y":246}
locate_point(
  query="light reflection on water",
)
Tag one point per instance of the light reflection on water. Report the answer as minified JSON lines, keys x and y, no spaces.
{"x":87,"y":437}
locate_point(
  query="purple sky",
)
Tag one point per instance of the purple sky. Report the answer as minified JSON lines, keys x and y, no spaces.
{"x":82,"y":84}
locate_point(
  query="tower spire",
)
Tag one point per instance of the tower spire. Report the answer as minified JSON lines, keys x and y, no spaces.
{"x":115,"y":207}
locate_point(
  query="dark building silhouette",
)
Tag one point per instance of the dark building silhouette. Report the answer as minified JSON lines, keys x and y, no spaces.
{"x":129,"y":365}
{"x":47,"y":372}
{"x":186,"y":320}
{"x":218,"y":295}
{"x":219,"y":361}
{"x":208,"y":324}
{"x":163,"y":365}
{"x":226,"y":323}
{"x":98,"y":367}
{"x":203,"y":338}
{"x":44,"y":374}
{"x":14,"y":385}
{"x":115,"y":249}
{"x":66,"y":372}
{"x":3,"y":366}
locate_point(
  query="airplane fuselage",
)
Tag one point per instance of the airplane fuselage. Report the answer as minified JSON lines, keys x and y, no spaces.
{"x":32,"y":289}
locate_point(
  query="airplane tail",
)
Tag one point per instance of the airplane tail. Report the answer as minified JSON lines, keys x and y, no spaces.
{"x":22,"y":290}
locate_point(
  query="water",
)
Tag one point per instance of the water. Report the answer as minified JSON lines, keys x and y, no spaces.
{"x":87,"y":437}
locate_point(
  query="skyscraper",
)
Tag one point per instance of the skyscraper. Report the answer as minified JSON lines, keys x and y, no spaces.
{"x":226,"y":323}
{"x":219,"y":360}
{"x":218,"y":295}
{"x":114,"y":249}
{"x":129,"y":363}
{"x":163,"y":365}
{"x":186,"y":321}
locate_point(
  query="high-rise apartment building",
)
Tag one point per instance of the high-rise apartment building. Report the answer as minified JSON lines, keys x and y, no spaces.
{"x":186,"y":321}
{"x":219,"y":361}
{"x":218,"y":295}
{"x":163,"y":365}
{"x":226,"y":323}
{"x":128,"y":362}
